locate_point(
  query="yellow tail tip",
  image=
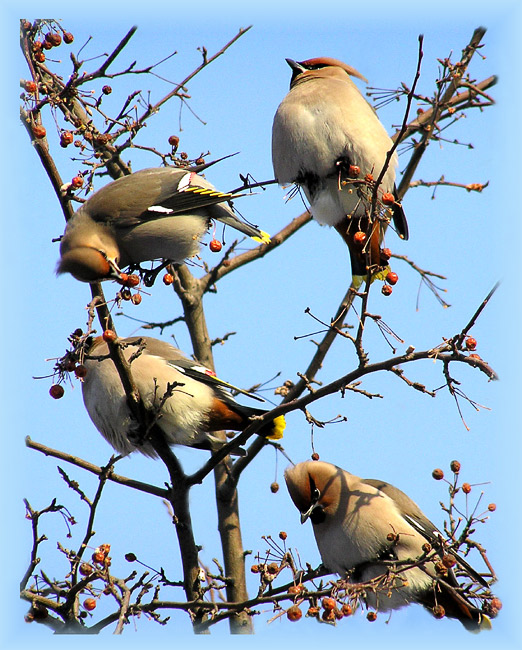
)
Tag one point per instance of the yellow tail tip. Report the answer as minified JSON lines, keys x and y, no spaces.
{"x":263,"y":238}
{"x":279,"y":426}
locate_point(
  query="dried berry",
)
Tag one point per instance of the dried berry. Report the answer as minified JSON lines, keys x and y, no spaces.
{"x":359,"y":238}
{"x":272,"y":568}
{"x":466,"y":488}
{"x":130,"y":557}
{"x":471,"y":343}
{"x":296,"y":590}
{"x":313,"y":611}
{"x":439,"y":611}
{"x":86,"y":569}
{"x":254,"y":568}
{"x":89,"y":604}
{"x":492,"y":507}
{"x":215,"y":245}
{"x":136,"y":299}
{"x":386,"y":253}
{"x":283,"y":535}
{"x":80,"y":371}
{"x":39,"y":56}
{"x":455,"y":466}
{"x":68,"y":37}
{"x":106,"y":90}
{"x":328,"y":603}
{"x":274,"y":487}
{"x":437,"y":474}
{"x":56,"y":391}
{"x":39,"y":131}
{"x":109,"y":336}
{"x":293,"y":613}
{"x":371,"y":616}
{"x":448,"y":561}
{"x":346,"y":610}
{"x":354,"y":171}
{"x":315,"y":456}
{"x":174,"y":141}
{"x":386,"y":290}
{"x":388,"y":198}
{"x":369,"y":178}
{"x":66,"y":137}
{"x":30,"y":87}
{"x":77,"y":182}
{"x":98,"y":557}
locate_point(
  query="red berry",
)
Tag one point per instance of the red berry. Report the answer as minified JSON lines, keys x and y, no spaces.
{"x":215,"y":245}
{"x":359,"y":238}
{"x":66,"y":138}
{"x":86,"y":569}
{"x":492,"y":507}
{"x":386,"y":253}
{"x":313,"y":611}
{"x":98,"y":557}
{"x":293,"y":613}
{"x":56,"y":391}
{"x":328,"y":603}
{"x":386,"y":290}
{"x":109,"y":335}
{"x":295,"y":590}
{"x":132,"y":280}
{"x":283,"y":535}
{"x":315,"y":456}
{"x":174,"y":141}
{"x":53,"y":38}
{"x":77,"y":182}
{"x":39,"y":56}
{"x":371,"y":616}
{"x":368,"y":178}
{"x":388,"y":198}
{"x":30,"y":87}
{"x":466,"y":488}
{"x":80,"y":371}
{"x":471,"y":343}
{"x":346,"y":610}
{"x":39,"y":131}
{"x":448,"y":561}
{"x":136,"y":299}
{"x":392,"y":278}
{"x":68,"y":37}
{"x":168,"y":279}
{"x":354,"y":171}
{"x":89,"y":604}
{"x":437,"y":474}
{"x":455,"y":466}
{"x":439,"y":611}
{"x":254,"y":568}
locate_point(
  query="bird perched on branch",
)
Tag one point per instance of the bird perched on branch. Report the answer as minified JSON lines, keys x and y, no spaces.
{"x":190,"y":402}
{"x":367,"y":529}
{"x":328,"y":140}
{"x":157,"y":213}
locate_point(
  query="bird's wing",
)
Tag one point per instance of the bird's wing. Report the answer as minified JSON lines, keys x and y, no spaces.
{"x":200,"y":373}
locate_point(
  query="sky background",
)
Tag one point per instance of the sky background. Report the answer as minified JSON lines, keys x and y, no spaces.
{"x":473,"y":239}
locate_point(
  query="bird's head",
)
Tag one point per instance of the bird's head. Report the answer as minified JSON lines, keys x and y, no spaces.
{"x":314,"y":487}
{"x":320,"y":66}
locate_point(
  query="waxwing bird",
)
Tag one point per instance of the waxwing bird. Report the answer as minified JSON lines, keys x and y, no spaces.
{"x":327,"y":139}
{"x":361,"y":523}
{"x":157,"y":213}
{"x":190,"y":401}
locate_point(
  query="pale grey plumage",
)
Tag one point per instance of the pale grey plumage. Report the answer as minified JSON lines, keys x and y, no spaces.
{"x":157,"y":213}
{"x":199,"y":404}
{"x":359,"y":523}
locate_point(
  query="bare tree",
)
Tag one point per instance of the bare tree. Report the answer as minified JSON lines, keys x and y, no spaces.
{"x":71,"y":111}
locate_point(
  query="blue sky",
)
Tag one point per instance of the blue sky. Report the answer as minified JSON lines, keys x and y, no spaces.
{"x":471,"y":238}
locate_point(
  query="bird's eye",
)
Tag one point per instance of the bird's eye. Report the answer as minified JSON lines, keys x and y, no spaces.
{"x":316,"y":495}
{"x":318,"y":515}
